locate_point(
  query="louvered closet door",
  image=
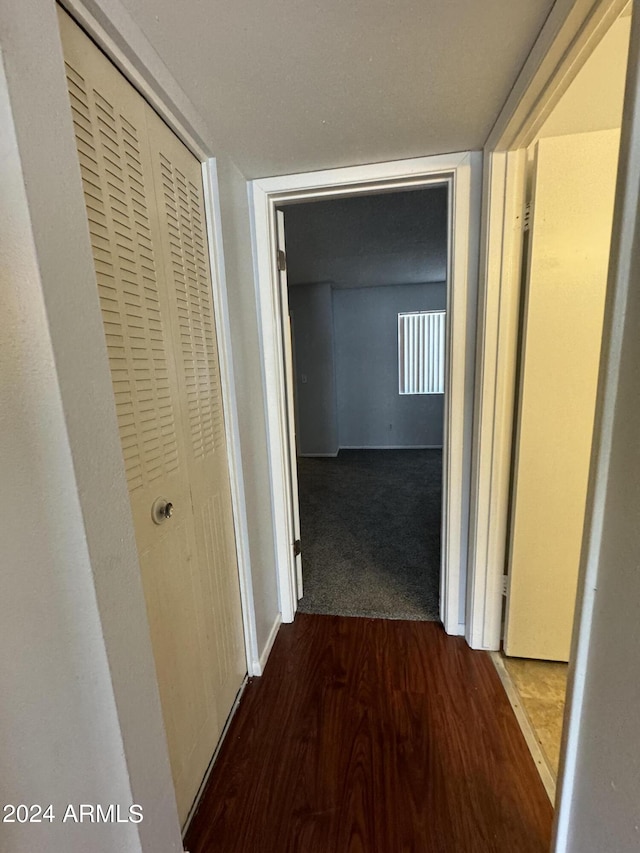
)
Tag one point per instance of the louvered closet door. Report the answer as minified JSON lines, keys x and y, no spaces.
{"x":149,"y":247}
{"x":183,"y":241}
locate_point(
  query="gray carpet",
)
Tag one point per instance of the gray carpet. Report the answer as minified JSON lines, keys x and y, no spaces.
{"x":370,"y":523}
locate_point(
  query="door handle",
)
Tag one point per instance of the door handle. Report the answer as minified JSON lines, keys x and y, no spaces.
{"x":161,"y":510}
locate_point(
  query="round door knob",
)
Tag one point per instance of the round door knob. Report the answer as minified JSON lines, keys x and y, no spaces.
{"x":161,"y":510}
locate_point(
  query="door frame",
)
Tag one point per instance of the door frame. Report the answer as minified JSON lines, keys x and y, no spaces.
{"x":569,"y":36}
{"x":122,"y":41}
{"x":461,"y":173}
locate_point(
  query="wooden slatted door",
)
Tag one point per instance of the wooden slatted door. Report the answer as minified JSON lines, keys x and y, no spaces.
{"x":144,"y":199}
{"x":183,"y":240}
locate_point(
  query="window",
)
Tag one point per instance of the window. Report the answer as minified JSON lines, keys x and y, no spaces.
{"x":421,"y":352}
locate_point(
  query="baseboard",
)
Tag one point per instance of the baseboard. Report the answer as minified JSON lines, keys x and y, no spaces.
{"x":318,"y":455}
{"x":546,"y":773}
{"x":394,"y":447}
{"x":259,"y":665}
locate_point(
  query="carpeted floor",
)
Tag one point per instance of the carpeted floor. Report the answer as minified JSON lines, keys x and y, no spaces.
{"x":370,"y":524}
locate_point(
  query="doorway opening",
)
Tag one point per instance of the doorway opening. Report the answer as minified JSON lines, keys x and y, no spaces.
{"x":570,"y":175}
{"x":367,"y":299}
{"x":461,"y":174}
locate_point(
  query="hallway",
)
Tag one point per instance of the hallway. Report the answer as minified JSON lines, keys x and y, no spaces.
{"x":373,"y":736}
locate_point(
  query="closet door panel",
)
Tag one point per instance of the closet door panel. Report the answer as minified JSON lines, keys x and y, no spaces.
{"x":166,"y":387}
{"x":119,"y":195}
{"x":183,"y":238}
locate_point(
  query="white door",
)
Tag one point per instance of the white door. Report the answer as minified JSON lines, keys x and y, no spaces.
{"x":144,"y":197}
{"x":292,"y":479}
{"x":573,"y":194}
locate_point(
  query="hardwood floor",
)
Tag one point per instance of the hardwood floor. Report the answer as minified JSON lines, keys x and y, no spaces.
{"x":373,"y":736}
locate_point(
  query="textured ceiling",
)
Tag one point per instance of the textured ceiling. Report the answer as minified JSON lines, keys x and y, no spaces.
{"x":298,"y":85}
{"x":366,"y":241}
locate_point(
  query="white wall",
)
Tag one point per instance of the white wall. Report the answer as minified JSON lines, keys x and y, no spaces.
{"x":562,"y":316}
{"x":234,"y":207}
{"x":80,"y":720}
{"x":593,"y":100}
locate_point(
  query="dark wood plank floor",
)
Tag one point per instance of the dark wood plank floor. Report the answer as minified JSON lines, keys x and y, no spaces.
{"x":373,"y":736}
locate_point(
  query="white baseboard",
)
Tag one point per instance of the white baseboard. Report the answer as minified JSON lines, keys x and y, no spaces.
{"x":395,"y":447}
{"x":259,"y":665}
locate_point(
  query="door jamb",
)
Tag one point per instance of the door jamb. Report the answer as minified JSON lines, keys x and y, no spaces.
{"x":459,"y":171}
{"x":568,"y":38}
{"x":113,"y":30}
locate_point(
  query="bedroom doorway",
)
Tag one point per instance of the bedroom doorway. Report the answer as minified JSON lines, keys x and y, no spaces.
{"x":367,"y":299}
{"x":460,"y":173}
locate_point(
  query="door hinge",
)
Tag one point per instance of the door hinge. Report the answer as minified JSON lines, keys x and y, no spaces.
{"x":505,"y":582}
{"x":282,"y":261}
{"x":297,"y":548}
{"x":526,"y":219}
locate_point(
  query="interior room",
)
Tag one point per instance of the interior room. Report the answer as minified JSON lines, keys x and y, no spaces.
{"x":367,"y":282}
{"x":572,"y":178}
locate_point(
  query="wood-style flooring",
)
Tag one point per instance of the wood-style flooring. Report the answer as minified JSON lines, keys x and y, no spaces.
{"x":373,"y":736}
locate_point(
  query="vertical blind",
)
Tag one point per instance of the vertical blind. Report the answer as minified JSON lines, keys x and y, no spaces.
{"x":421,"y":352}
